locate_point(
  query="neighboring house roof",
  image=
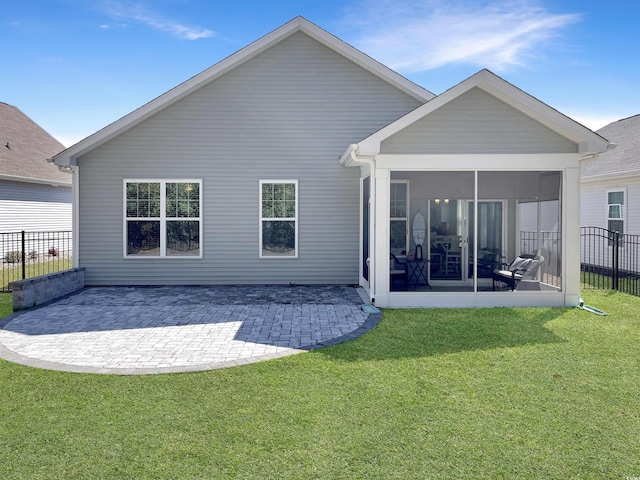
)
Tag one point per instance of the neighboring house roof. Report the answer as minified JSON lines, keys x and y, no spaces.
{"x":25,"y":149}
{"x":624,"y":161}
{"x":587,"y":141}
{"x":298,"y":24}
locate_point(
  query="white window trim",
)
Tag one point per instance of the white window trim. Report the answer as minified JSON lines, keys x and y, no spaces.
{"x":261,"y":219}
{"x":623,"y":210}
{"x":162,"y":219}
{"x":407,"y":240}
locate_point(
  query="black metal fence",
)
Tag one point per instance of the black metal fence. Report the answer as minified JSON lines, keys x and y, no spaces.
{"x":609,"y":260}
{"x":31,"y":254}
{"x":549,"y":245}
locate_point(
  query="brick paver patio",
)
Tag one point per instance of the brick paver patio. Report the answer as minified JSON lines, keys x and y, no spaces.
{"x":141,"y":330}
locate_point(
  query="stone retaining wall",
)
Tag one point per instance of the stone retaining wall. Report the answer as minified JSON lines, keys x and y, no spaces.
{"x":38,"y":290}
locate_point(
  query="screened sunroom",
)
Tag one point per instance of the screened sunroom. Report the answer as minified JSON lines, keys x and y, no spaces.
{"x":453,"y":230}
{"x":472,"y":200}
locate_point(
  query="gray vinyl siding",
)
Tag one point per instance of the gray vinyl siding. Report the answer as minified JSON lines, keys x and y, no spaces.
{"x":477,"y":122}
{"x":34,"y":207}
{"x":593,"y":208}
{"x":287,"y":114}
{"x":593,"y":203}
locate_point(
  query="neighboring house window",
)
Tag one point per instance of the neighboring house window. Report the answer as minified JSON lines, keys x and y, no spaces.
{"x":278,"y":218}
{"x":163,"y":218}
{"x":615,"y":211}
{"x":399,"y":216}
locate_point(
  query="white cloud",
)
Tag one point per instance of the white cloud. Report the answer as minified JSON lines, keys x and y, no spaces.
{"x":109,"y":26}
{"x":418,"y":35}
{"x":135,"y":12}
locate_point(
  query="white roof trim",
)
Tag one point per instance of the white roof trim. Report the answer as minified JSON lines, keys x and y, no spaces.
{"x":588,"y":141}
{"x":71,"y":154}
{"x":611,"y":176}
{"x":41,"y":181}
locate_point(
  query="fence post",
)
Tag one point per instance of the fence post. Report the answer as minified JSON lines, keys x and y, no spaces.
{"x":616,"y":259}
{"x":23,"y":257}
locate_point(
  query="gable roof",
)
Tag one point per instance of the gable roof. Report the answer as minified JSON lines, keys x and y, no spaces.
{"x":588,"y":141}
{"x":25,"y":148}
{"x":298,"y":24}
{"x":624,"y":161}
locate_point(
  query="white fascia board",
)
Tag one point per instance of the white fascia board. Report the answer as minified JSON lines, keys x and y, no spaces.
{"x":348,"y":157}
{"x":68,"y":156}
{"x":352,"y":157}
{"x":588,"y":141}
{"x":71,"y":154}
{"x":365,"y":61}
{"x":611,"y":176}
{"x":39,"y":181}
{"x":372,"y":143}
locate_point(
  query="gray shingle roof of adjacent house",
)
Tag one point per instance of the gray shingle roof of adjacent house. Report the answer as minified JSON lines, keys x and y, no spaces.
{"x":625,"y":158}
{"x":25,"y":148}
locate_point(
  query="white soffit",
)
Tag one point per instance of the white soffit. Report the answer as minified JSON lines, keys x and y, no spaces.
{"x":298,"y":24}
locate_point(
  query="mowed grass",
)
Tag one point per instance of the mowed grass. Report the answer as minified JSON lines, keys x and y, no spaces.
{"x":6,"y":306}
{"x":459,"y":393}
{"x":10,"y":272}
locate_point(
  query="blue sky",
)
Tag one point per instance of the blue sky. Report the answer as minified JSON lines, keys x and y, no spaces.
{"x":74,"y":66}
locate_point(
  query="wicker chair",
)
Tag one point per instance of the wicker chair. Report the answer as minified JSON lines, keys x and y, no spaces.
{"x":523,"y":267}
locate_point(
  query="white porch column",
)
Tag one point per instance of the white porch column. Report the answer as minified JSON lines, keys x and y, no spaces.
{"x":380,"y":266}
{"x":75,"y":216}
{"x":571,"y":236}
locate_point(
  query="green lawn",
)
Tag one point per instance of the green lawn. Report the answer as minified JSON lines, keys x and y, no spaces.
{"x":5,"y":304}
{"x":461,"y":393}
{"x":628,"y":284}
{"x":10,"y":272}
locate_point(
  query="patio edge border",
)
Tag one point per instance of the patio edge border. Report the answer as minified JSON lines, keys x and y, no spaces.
{"x":373,"y":319}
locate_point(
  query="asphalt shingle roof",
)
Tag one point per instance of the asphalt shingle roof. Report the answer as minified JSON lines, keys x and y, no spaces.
{"x":625,"y":157}
{"x":25,"y":147}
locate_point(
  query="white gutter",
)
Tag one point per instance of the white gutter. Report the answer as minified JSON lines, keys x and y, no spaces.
{"x":41,"y":181}
{"x":349,"y":156}
{"x":611,"y":176}
{"x":75,"y":209}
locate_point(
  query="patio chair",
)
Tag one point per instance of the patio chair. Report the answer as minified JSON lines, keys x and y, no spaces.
{"x":488,"y":261}
{"x":523,"y":267}
{"x":437,"y":256}
{"x":398,"y":271}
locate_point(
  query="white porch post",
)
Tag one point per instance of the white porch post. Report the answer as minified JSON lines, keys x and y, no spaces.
{"x":75,"y":217}
{"x":571,"y":236}
{"x":381,"y":244}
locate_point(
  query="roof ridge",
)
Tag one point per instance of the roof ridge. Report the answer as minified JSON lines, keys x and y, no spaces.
{"x":244,"y":54}
{"x":627,"y":118}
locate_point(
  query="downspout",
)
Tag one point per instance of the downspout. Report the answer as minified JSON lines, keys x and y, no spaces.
{"x":75,"y":208}
{"x":349,"y":158}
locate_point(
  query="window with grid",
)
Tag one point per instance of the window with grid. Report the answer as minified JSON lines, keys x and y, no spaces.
{"x":163,"y":218}
{"x":278,"y":218}
{"x":399,"y":216}
{"x":615,"y":211}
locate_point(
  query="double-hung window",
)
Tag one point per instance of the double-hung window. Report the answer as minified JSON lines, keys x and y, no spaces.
{"x":163,"y":218}
{"x":399,"y":216}
{"x":278,"y":218}
{"x":615,"y":211}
